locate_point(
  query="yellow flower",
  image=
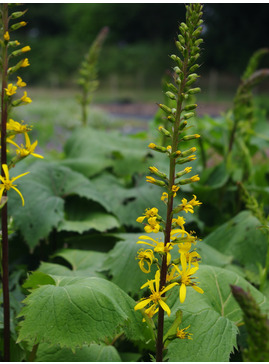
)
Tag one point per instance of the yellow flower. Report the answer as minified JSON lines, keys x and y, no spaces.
{"x":180,"y":221}
{"x":182,"y":334}
{"x":148,"y":213}
{"x":156,"y":295}
{"x":193,"y":202}
{"x":25,"y":63}
{"x":195,"y":178}
{"x":186,"y":279}
{"x":20,"y":82}
{"x":150,"y":179}
{"x":25,"y":98}
{"x":175,"y":189}
{"x":28,"y":149}
{"x":16,"y":127}
{"x":152,"y":226}
{"x":10,"y":90}
{"x":6,"y":36}
{"x":158,"y":246}
{"x":145,"y":256}
{"x":164,"y":197}
{"x":152,"y":145}
{"x":25,"y":49}
{"x":187,"y":169}
{"x":186,"y":206}
{"x":7,"y":183}
{"x":23,"y":23}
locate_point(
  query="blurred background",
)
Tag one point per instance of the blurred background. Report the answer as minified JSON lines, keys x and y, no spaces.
{"x":135,"y":53}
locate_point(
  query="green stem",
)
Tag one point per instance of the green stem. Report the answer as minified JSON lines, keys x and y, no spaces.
{"x":32,"y":355}
{"x":4,"y":114}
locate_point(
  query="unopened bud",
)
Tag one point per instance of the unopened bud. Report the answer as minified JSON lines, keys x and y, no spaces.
{"x":190,"y":107}
{"x":164,"y":131}
{"x":188,"y":152}
{"x":188,"y":115}
{"x":18,"y":25}
{"x":186,"y":160}
{"x":155,"y":171}
{"x":182,"y":125}
{"x":155,"y":181}
{"x":193,"y":91}
{"x":157,"y":148}
{"x":190,"y":137}
{"x":170,"y":95}
{"x":172,"y":87}
{"x":165,"y":108}
{"x":17,"y":14}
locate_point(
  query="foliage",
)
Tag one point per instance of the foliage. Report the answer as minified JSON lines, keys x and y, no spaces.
{"x":74,"y":278}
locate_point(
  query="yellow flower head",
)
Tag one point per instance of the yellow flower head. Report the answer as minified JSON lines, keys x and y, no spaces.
{"x":25,"y":98}
{"x":183,"y":334}
{"x":164,"y":197}
{"x":148,"y":213}
{"x":7,"y":36}
{"x":7,"y":183}
{"x":187,"y":169}
{"x":16,"y":127}
{"x":152,"y":145}
{"x":186,"y":206}
{"x":156,"y":295}
{"x":25,"y":63}
{"x":195,"y":178}
{"x":158,"y":246}
{"x":193,"y":202}
{"x":20,"y":82}
{"x":25,"y":49}
{"x":26,"y":150}
{"x":175,"y":189}
{"x":150,"y":179}
{"x":145,"y":257}
{"x":23,"y":23}
{"x":153,"y":225}
{"x":186,"y":279}
{"x":10,"y":90}
{"x":180,"y":221}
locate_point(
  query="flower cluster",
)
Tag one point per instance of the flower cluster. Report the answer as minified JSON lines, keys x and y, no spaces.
{"x":13,"y":97}
{"x":175,"y":270}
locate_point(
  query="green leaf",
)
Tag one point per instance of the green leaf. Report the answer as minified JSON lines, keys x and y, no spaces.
{"x":44,"y":191}
{"x":91,"y":353}
{"x":78,"y":311}
{"x":213,"y":316}
{"x":123,"y":266}
{"x":38,"y":279}
{"x":129,"y":203}
{"x":241,"y":239}
{"x":84,"y":263}
{"x":90,"y":151}
{"x":82,"y":215}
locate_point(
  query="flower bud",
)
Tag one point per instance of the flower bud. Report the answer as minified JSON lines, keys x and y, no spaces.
{"x":194,"y":67}
{"x":17,"y":14}
{"x":181,"y":39}
{"x":172,"y":87}
{"x":165,"y":108}
{"x":164,"y":131}
{"x":186,"y":160}
{"x":190,"y":137}
{"x":182,"y":125}
{"x":155,"y":181}
{"x":155,"y":171}
{"x":157,"y":148}
{"x":190,"y":107}
{"x":189,"y":115}
{"x":171,"y":118}
{"x":170,"y":95}
{"x":188,"y":152}
{"x":185,"y":171}
{"x":18,"y":25}
{"x":193,"y":91}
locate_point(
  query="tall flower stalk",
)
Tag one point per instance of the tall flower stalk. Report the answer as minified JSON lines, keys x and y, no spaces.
{"x":178,"y":272}
{"x":9,"y":130}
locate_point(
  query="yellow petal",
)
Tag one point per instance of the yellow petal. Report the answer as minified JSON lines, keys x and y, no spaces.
{"x":198,"y":289}
{"x":5,"y":169}
{"x":21,"y":175}
{"x":165,"y":307}
{"x":182,"y":293}
{"x":142,"y":304}
{"x":14,"y":188}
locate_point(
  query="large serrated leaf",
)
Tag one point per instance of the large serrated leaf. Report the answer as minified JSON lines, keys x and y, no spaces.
{"x":241,"y":239}
{"x":44,"y":190}
{"x":213,"y":316}
{"x":78,"y":311}
{"x":90,"y":151}
{"x":84,"y":263}
{"x":92,"y":353}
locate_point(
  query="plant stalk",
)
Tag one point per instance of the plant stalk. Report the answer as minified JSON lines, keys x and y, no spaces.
{"x":5,"y":253}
